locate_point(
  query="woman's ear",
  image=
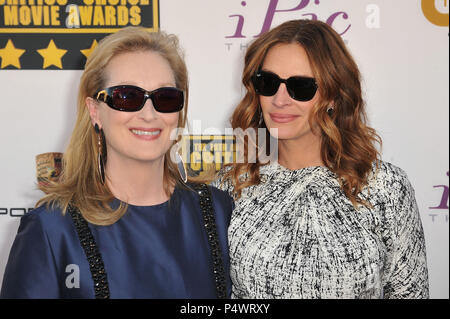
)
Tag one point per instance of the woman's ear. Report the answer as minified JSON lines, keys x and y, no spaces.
{"x":92,"y":106}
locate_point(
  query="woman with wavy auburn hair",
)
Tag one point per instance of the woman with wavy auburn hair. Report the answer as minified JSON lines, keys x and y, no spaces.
{"x":122,"y":221}
{"x":329,"y":219}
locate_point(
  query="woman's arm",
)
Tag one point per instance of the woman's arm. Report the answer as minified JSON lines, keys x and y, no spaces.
{"x":406,"y":274}
{"x":31,"y":271}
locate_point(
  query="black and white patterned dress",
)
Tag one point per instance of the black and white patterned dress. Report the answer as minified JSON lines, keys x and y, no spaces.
{"x":296,"y":235}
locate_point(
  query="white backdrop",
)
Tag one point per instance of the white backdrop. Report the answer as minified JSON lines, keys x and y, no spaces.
{"x":403,"y":57}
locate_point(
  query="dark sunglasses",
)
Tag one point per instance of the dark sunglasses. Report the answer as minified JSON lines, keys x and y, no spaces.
{"x":299,"y":88}
{"x":129,"y":98}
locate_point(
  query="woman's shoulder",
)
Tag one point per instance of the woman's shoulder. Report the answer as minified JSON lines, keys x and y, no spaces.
{"x":222,"y":202}
{"x":387,"y":176}
{"x":47,"y":218}
{"x":219,"y":195}
{"x":46,"y":211}
{"x":222,"y":181}
{"x":390,"y":191}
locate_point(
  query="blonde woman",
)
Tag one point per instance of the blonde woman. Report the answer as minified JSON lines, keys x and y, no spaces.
{"x":121,"y":222}
{"x":330,"y":219}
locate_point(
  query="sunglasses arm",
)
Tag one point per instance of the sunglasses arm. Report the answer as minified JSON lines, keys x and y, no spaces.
{"x":102,"y":96}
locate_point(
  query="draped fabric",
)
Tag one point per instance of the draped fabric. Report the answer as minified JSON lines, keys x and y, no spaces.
{"x":296,"y":235}
{"x":158,"y":251}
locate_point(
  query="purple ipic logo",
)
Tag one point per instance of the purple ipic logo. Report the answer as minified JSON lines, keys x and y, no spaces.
{"x":444,"y":199}
{"x":274,"y":9}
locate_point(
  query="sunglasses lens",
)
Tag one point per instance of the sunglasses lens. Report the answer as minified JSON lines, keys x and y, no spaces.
{"x":168,"y":100}
{"x":127,"y":98}
{"x":266,"y":84}
{"x":301,"y":89}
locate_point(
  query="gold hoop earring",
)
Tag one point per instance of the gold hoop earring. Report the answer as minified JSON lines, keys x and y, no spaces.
{"x":181,"y":167}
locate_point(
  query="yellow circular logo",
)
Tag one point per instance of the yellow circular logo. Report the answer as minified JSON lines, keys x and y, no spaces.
{"x":433,"y":14}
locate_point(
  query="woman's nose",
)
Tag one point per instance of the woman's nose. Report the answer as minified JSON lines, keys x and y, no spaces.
{"x":282,"y":97}
{"x":148,"y":112}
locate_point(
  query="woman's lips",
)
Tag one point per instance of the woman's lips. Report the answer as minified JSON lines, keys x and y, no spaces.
{"x":282,"y":118}
{"x":148,"y":134}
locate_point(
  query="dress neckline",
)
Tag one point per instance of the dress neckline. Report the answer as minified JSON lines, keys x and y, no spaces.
{"x":276,"y":167}
{"x":160,"y":205}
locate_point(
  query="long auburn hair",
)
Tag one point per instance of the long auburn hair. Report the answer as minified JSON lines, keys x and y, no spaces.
{"x":347,"y":142}
{"x":80,"y":182}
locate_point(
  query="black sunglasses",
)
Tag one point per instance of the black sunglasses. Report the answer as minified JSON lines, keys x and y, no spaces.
{"x":130,"y":98}
{"x":299,"y":88}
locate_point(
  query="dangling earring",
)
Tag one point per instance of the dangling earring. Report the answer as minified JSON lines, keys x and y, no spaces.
{"x":100,"y":157}
{"x":181,"y":167}
{"x":330,"y":110}
{"x":261,"y":117}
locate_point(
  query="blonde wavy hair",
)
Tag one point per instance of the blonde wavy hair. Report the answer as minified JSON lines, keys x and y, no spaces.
{"x":80,"y":182}
{"x":348,"y":144}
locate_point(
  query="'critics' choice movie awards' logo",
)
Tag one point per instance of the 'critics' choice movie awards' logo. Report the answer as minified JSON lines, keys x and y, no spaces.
{"x":60,"y":34}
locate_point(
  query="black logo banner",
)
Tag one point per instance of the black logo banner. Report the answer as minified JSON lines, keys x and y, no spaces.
{"x":60,"y":34}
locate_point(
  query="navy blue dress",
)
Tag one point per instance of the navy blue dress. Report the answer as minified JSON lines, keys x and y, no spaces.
{"x":158,"y":251}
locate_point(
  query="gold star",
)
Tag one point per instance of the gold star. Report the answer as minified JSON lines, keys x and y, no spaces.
{"x":10,"y":55}
{"x":52,"y":55}
{"x":87,"y":52}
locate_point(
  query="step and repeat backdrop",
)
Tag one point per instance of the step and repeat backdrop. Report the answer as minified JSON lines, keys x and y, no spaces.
{"x":401,"y":47}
